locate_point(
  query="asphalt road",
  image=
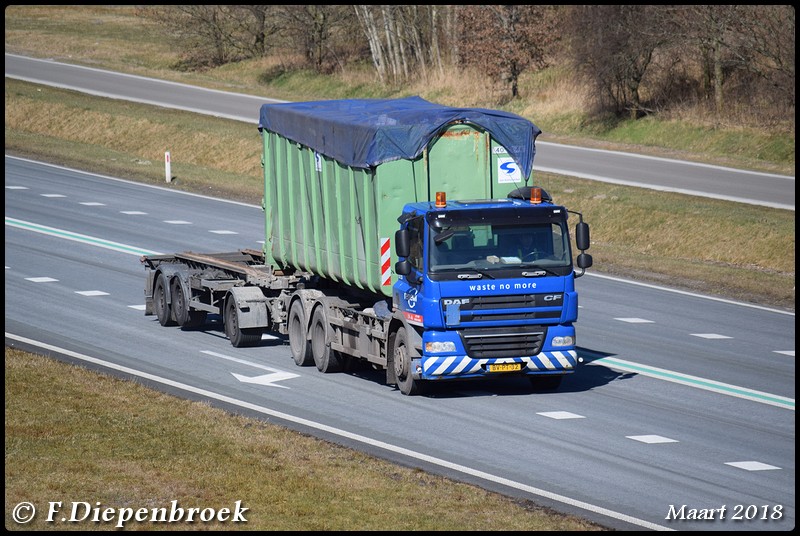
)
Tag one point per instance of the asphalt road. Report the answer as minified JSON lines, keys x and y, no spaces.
{"x":750,"y":187}
{"x":684,"y":403}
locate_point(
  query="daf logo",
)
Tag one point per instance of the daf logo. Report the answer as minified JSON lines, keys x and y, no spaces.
{"x":551,"y":297}
{"x":456,"y":301}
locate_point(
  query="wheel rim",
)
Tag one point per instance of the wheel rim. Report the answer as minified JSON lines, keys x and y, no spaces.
{"x":179,"y":303}
{"x":318,"y":340}
{"x":400,"y":361}
{"x":231,"y":321}
{"x":296,"y":332}
{"x":160,"y":298}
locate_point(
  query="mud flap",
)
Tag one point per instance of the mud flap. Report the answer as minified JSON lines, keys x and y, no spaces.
{"x":251,"y":306}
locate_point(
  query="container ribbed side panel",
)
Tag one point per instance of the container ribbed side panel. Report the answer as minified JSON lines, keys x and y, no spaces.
{"x":330,"y":219}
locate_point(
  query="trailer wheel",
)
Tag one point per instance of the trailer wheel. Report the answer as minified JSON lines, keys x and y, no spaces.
{"x":239,"y":337}
{"x":163,"y":310}
{"x":298,"y":335}
{"x":403,"y":352}
{"x":326,"y":359}
{"x":180,"y":308}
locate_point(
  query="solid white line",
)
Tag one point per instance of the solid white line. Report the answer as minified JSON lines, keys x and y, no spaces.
{"x":348,"y":435}
{"x":670,"y":160}
{"x":698,"y":193}
{"x":686,"y":293}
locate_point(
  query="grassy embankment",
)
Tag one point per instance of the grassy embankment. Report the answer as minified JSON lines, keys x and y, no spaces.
{"x":75,"y":435}
{"x":79,"y":435}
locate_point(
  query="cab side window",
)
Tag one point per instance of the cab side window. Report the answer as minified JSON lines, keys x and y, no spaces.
{"x":415,"y":227}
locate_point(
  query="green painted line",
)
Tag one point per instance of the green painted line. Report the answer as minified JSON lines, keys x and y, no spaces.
{"x":694,"y":381}
{"x":85,"y":239}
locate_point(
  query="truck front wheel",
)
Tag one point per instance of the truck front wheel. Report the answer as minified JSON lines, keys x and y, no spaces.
{"x":403,"y":354}
{"x":298,"y":335}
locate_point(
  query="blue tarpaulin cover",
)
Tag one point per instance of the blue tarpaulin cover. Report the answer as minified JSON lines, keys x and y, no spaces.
{"x":367,"y":132}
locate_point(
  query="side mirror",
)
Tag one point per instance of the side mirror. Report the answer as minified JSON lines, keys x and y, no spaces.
{"x":584,"y":261}
{"x":402,"y":267}
{"x":402,"y":243}
{"x":582,"y":236}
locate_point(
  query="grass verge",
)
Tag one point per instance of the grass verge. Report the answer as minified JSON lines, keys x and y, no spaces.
{"x":73,"y":435}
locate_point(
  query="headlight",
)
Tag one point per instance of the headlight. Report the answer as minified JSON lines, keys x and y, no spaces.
{"x":564,"y":341}
{"x":439,"y":347}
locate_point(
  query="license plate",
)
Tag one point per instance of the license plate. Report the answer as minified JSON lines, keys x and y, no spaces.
{"x":505,"y":367}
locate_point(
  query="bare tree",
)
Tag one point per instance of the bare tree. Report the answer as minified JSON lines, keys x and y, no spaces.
{"x":745,"y":53}
{"x":436,"y":55}
{"x":613,"y":46}
{"x":370,"y":28}
{"x":506,"y":40}
{"x":213,"y":35}
{"x":404,"y":40}
{"x":772,"y":42}
{"x":316,"y":31}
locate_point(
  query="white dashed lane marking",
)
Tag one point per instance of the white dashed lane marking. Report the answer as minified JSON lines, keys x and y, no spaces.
{"x":752,"y":466}
{"x":561,"y":415}
{"x":40,"y":279}
{"x":652,"y":439}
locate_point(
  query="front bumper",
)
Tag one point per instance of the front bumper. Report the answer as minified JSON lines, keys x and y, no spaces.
{"x":457,"y":367}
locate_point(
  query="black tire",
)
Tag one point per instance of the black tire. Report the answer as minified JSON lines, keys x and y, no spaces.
{"x":298,"y":335}
{"x":403,"y":353}
{"x":545,"y":383}
{"x":163,"y":310}
{"x":326,"y":359}
{"x":180,"y":308}
{"x":239,"y":337}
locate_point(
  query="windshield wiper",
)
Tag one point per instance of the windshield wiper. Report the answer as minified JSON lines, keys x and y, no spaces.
{"x":539,"y":271}
{"x":477,"y":275}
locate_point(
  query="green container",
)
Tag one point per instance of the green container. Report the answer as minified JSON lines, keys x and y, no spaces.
{"x":338,"y":221}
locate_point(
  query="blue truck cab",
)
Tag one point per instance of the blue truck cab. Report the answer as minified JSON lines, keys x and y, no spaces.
{"x":488,"y":287}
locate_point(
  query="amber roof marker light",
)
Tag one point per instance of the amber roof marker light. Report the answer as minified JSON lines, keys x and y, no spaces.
{"x":441,"y":200}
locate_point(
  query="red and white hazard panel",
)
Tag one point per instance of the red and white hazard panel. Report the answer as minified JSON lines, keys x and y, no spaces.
{"x":386,"y":273}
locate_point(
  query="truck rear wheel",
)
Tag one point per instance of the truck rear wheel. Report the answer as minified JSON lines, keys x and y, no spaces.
{"x":403,"y":353}
{"x":326,"y":359}
{"x":298,"y":335}
{"x":185,"y":317}
{"x":163,"y":310}
{"x":238,"y":336}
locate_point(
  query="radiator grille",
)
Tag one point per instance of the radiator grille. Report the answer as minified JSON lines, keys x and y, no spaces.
{"x":508,"y":342}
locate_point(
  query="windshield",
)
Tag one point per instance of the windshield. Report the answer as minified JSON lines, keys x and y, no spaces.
{"x":484,"y":246}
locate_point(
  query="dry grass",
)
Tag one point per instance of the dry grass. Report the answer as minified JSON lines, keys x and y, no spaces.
{"x":76,"y":435}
